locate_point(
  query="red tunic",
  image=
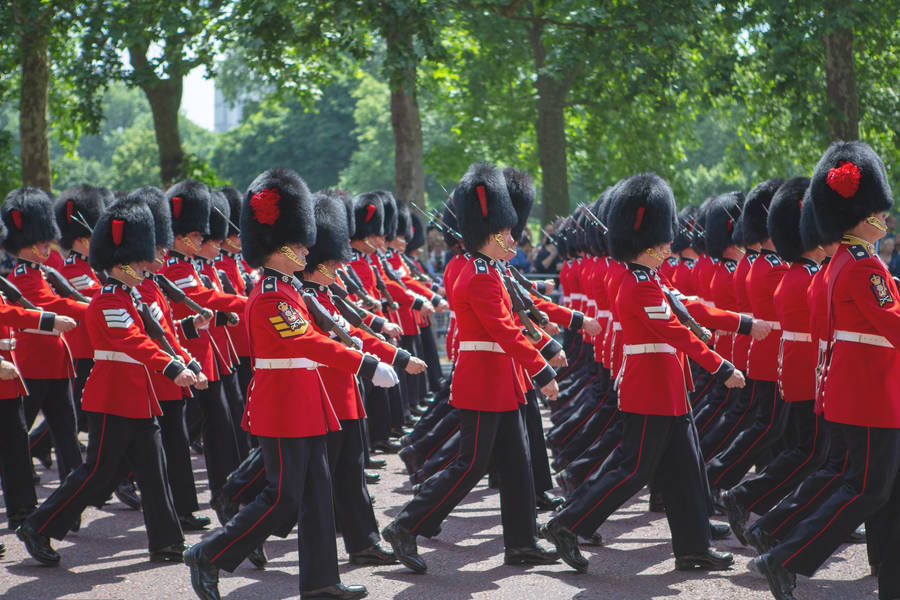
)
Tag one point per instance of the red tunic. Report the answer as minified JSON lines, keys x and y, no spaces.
{"x":683,"y":277}
{"x":798,"y":355}
{"x":765,"y":275}
{"x":82,"y":277}
{"x":234,"y":271}
{"x":741,"y":348}
{"x":722,"y":290}
{"x":12,"y":316}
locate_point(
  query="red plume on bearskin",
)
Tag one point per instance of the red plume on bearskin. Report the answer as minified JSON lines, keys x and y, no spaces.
{"x":265,"y":206}
{"x":482,"y":200}
{"x":69,"y":206}
{"x":370,"y":211}
{"x":17,"y":219}
{"x":844,"y":179}
{"x":117,"y":229}
{"x":176,"y":206}
{"x":638,"y":218}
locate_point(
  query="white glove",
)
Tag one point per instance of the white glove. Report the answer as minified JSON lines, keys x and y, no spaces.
{"x":385,"y":376}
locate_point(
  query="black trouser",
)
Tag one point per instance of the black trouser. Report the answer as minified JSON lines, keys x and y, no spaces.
{"x":869,"y":488}
{"x":537,"y":446}
{"x":761,"y":492}
{"x":738,"y":410}
{"x":416,"y":385}
{"x":712,"y":405}
{"x":219,"y":444}
{"x":728,"y":467}
{"x":15,"y":460}
{"x":431,"y":357}
{"x":442,"y":456}
{"x":53,"y":397}
{"x":83,"y":368}
{"x":299,"y":487}
{"x":589,"y":432}
{"x":247,"y":481}
{"x":661,"y":448}
{"x":352,"y":504}
{"x":112,"y":440}
{"x":378,"y":412}
{"x":235,"y":398}
{"x":438,"y":435}
{"x":589,"y":461}
{"x":178,"y":457}
{"x":495,"y":439}
{"x":436,"y":412}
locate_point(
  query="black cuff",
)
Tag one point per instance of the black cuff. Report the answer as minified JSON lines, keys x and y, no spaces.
{"x":435,"y":287}
{"x":368,"y":366}
{"x":195,"y":367}
{"x":47,"y":321}
{"x":221,"y":319}
{"x":401,"y":359}
{"x":435,"y":300}
{"x":544,"y":376}
{"x":377,"y":324}
{"x":746,"y":324}
{"x":541,"y":287}
{"x":550,"y":349}
{"x":173,"y":369}
{"x":417,"y":303}
{"x":725,"y":370}
{"x":189,"y":329}
{"x":577,"y":320}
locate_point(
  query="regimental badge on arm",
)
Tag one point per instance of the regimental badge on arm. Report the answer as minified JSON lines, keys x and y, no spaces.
{"x":880,"y":290}
{"x":288,"y":322}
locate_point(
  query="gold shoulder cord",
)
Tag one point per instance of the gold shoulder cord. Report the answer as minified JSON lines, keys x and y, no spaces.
{"x":853,"y":240}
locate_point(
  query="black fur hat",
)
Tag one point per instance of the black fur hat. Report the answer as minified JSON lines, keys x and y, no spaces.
{"x":482,"y":205}
{"x":390,"y":214}
{"x":699,"y":241}
{"x":849,"y":184}
{"x":641,"y":216}
{"x":190,"y":204}
{"x":417,"y":238}
{"x":810,"y":233}
{"x":155,"y":200}
{"x":754,"y":228}
{"x":234,"y":205}
{"x":332,"y":237}
{"x":784,"y":218}
{"x":123,"y":235}
{"x":79,"y":203}
{"x":28,"y":215}
{"x":686,"y":228}
{"x":218,"y":219}
{"x":521,"y":190}
{"x":347,"y":200}
{"x":404,"y":224}
{"x":277,"y":210}
{"x":722,"y":216}
{"x":368,"y":210}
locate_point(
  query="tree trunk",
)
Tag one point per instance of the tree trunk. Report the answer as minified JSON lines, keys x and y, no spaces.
{"x":33,"y":130}
{"x":551,"y":132}
{"x":409,"y":153}
{"x":840,"y":84}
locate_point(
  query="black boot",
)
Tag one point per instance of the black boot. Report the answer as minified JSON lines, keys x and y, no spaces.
{"x":373,"y":555}
{"x":404,"y":544}
{"x":193,"y":522}
{"x":173,"y":553}
{"x":530,"y":555}
{"x":128,"y":494}
{"x":781,"y":581}
{"x":38,"y":545}
{"x":737,"y":516}
{"x":566,"y":544}
{"x":336,"y":592}
{"x":705,"y":561}
{"x":204,"y":574}
{"x":258,"y":557}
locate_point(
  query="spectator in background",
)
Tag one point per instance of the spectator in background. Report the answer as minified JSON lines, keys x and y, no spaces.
{"x":887,"y":252}
{"x":522,"y":259}
{"x":434,"y":257}
{"x":545,"y":257}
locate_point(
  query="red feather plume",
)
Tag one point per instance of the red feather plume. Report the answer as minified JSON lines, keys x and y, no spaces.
{"x":265,"y":205}
{"x":17,"y":218}
{"x":118,"y":229}
{"x":482,"y":199}
{"x":639,"y":217}
{"x":370,"y":212}
{"x":844,"y":179}
{"x":176,"y":206}
{"x":69,"y":206}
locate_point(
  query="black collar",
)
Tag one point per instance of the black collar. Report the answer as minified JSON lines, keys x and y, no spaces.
{"x":807,"y":261}
{"x":179,"y":255}
{"x":639,"y":267}
{"x":77,"y":254}
{"x":314,"y":285}
{"x":766,"y":251}
{"x":119,"y":284}
{"x":270,"y":272}
{"x":484,"y":257}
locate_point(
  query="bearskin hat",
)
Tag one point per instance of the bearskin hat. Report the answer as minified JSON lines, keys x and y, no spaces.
{"x":155,"y":200}
{"x":849,"y":184}
{"x":219,"y":215}
{"x":722,"y":216}
{"x":390,"y":214}
{"x":686,"y":228}
{"x":347,"y":201}
{"x":28,"y":215}
{"x":810,"y":233}
{"x":755,"y":228}
{"x":123,"y":235}
{"x":641,"y":216}
{"x":404,"y":223}
{"x":482,"y":205}
{"x":699,"y":241}
{"x":332,"y":237}
{"x":81,"y":203}
{"x":417,"y":238}
{"x":784,"y":218}
{"x":368,"y":210}
{"x":190,"y":204}
{"x":277,"y":210}
{"x":234,"y":206}
{"x":521,"y":190}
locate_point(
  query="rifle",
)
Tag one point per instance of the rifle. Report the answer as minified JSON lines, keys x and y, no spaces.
{"x":155,"y":330}
{"x":62,"y":286}
{"x":518,"y":307}
{"x":227,"y":287}
{"x":684,"y":317}
{"x":325,"y":321}
{"x":356,"y":289}
{"x":379,"y":283}
{"x":13,"y":294}
{"x":349,"y":313}
{"x":525,"y":283}
{"x":389,"y":270}
{"x":414,"y":269}
{"x":233,"y":319}
{"x":437,"y":222}
{"x":592,"y":217}
{"x":175,"y":294}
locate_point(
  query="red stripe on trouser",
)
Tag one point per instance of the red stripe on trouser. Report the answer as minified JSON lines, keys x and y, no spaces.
{"x":248,"y":484}
{"x":736,"y":423}
{"x":812,"y":453}
{"x":756,"y":441}
{"x":705,"y":388}
{"x":627,"y":477}
{"x":442,"y":442}
{"x":715,"y":412}
{"x":790,"y":517}
{"x":600,"y":462}
{"x":444,"y":466}
{"x":83,"y":483}
{"x":846,"y":504}
{"x":265,"y":514}
{"x":39,"y":438}
{"x":590,"y":379}
{"x":580,"y":423}
{"x":455,"y":485}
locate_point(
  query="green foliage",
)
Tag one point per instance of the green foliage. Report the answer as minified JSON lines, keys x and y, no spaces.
{"x":371,"y":165}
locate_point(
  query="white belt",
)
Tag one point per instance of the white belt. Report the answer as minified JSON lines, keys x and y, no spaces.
{"x":592,"y":303}
{"x":285,"y":363}
{"x":796,"y":336}
{"x":481,"y":347}
{"x":452,"y":314}
{"x":114,"y":356}
{"x":862,"y":338}
{"x":7,"y":344}
{"x":774,"y":324}
{"x":630,"y":349}
{"x":604,"y":314}
{"x":42,"y":332}
{"x":823,"y":345}
{"x":617,"y":326}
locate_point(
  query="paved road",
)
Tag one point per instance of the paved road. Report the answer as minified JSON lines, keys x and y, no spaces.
{"x":108,"y":559}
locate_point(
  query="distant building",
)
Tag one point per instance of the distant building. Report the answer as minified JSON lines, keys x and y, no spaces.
{"x":226,"y":116}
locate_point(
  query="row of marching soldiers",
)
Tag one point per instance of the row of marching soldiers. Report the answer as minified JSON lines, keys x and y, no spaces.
{"x":781,"y":284}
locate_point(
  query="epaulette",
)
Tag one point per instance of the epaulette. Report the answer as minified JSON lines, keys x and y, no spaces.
{"x":811,"y":269}
{"x":20,"y":269}
{"x":108,"y":289}
{"x":730,"y":265}
{"x":218,"y":258}
{"x":752,"y":257}
{"x":172,"y":260}
{"x":70,"y":259}
{"x":640,"y":275}
{"x":481,"y":266}
{"x":773,"y":259}
{"x":269,"y":284}
{"x":858,"y":252}
{"x":672,"y":260}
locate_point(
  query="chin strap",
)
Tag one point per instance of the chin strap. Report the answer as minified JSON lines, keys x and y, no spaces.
{"x":34,"y":249}
{"x":849,"y":238}
{"x":187,"y":242}
{"x":130,"y":272}
{"x":655,"y":254}
{"x":876,"y":223}
{"x":498,"y":237}
{"x":324,"y":271}
{"x":292,"y":256}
